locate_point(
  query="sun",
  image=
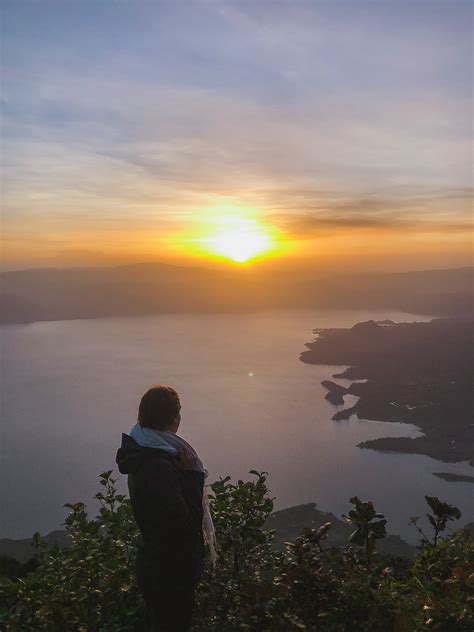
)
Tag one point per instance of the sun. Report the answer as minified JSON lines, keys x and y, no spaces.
{"x":232,"y":232}
{"x":240,"y":240}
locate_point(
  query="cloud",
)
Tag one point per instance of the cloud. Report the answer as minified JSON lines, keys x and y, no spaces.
{"x":320,"y":117}
{"x":439,"y":211}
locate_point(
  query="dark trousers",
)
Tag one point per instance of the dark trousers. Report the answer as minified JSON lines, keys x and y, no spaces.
{"x":168,"y":607}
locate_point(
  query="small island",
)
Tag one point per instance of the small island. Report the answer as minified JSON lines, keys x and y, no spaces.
{"x":414,"y":373}
{"x":454,"y":478}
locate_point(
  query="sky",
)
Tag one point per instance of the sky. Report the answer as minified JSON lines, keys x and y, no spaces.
{"x":141,"y":130}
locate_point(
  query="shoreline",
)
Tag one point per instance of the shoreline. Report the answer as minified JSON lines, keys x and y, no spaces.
{"x":411,"y":377}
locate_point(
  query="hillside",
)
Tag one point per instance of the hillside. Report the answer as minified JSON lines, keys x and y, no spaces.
{"x":416,"y":373}
{"x":153,"y":288}
{"x":287,"y":524}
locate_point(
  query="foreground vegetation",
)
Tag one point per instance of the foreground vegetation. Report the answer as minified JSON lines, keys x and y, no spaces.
{"x":89,"y":586}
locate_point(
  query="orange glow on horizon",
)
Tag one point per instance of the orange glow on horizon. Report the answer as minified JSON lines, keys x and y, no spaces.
{"x":232,"y":233}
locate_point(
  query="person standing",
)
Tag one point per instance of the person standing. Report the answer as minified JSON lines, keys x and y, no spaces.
{"x":169,"y":503}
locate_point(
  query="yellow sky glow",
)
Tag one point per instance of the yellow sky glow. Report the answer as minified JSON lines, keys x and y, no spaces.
{"x":233,"y":233}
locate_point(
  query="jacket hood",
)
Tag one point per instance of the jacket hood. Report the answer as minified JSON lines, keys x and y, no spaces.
{"x":131,"y":455}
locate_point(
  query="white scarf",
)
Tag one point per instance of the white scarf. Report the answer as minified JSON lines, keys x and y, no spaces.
{"x":171,"y":442}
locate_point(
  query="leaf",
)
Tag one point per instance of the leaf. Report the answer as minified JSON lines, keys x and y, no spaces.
{"x":442,"y":509}
{"x":432,"y":522}
{"x":357,"y":537}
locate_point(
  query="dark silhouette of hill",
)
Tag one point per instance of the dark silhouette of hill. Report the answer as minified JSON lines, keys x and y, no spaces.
{"x":287,"y":523}
{"x":417,"y":373}
{"x":454,"y":478}
{"x":152,"y":288}
{"x":23,"y":549}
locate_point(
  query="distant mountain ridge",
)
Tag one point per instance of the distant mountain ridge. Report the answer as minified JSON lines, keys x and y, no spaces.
{"x":153,"y":288}
{"x":23,"y":550}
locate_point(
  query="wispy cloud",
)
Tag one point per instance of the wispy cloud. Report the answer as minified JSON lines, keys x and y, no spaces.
{"x":321,"y":115}
{"x":316,"y":213}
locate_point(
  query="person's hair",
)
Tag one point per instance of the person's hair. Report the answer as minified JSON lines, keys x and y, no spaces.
{"x":158,"y":407}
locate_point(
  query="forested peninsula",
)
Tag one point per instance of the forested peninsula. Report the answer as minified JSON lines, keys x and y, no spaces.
{"x":415,"y":373}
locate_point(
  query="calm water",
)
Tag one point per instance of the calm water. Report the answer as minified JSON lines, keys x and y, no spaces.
{"x":70,"y":388}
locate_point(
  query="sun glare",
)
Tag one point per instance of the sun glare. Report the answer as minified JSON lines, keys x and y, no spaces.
{"x":235,"y":235}
{"x":240,"y":241}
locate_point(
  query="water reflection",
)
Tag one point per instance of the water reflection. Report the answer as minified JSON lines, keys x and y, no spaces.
{"x":71,"y":388}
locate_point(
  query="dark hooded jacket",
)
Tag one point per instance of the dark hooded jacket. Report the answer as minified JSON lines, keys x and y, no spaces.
{"x":167,"y":504}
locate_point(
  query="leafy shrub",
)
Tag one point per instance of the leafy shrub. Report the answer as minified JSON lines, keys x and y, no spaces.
{"x":233,"y":594}
{"x":89,"y":586}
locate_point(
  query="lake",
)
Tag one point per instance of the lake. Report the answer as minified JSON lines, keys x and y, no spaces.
{"x":70,"y":388}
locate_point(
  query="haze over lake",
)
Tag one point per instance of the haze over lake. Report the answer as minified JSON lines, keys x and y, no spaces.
{"x":71,"y":387}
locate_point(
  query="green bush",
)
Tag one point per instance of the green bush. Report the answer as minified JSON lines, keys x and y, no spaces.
{"x":89,"y":586}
